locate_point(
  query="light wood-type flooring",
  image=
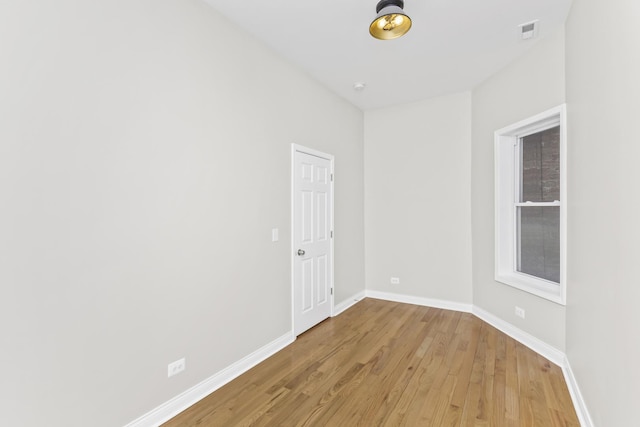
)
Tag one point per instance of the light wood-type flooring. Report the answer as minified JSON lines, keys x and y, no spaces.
{"x":382,"y":363}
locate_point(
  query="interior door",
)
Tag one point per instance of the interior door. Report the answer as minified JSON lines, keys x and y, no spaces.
{"x":312,"y":239}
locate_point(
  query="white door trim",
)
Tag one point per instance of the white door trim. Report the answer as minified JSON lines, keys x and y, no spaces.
{"x":302,"y":149}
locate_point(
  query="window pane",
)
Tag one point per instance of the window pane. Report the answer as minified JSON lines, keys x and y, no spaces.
{"x":539,"y":242}
{"x":540,"y":168}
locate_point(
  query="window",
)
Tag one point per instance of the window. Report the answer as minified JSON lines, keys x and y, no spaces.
{"x":531,"y":205}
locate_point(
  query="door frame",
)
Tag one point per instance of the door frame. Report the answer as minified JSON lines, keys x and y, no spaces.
{"x":296,"y":148}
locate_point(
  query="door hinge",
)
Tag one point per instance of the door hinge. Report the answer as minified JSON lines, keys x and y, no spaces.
{"x":331,"y":291}
{"x":332,"y":234}
{"x":331,"y":177}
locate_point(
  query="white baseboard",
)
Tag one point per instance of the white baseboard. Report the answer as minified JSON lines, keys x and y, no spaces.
{"x":539,"y":346}
{"x":578,"y":401}
{"x":427,"y":302}
{"x":348,"y":303}
{"x":173,"y":407}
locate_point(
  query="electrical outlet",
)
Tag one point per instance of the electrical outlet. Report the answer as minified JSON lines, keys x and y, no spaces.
{"x":274,"y":235}
{"x":176,"y":367}
{"x":519,"y":312}
{"x":395,"y":280}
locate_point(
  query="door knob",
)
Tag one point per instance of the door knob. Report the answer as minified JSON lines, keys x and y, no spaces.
{"x":300,"y":252}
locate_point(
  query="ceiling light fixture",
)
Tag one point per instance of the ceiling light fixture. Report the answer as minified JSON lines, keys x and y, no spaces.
{"x":391,"y":21}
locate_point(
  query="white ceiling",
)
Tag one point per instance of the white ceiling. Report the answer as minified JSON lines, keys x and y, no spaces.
{"x":452,"y":46}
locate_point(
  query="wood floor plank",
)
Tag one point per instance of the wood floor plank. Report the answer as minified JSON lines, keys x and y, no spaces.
{"x":385,"y":387}
{"x":382,"y":363}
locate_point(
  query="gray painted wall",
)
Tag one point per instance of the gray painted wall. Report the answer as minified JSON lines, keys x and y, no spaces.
{"x":417,"y":209}
{"x":524,"y":88}
{"x":603,"y":320}
{"x":144,"y":159}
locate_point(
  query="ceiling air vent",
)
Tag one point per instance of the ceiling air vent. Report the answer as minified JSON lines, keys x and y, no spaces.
{"x":529,"y":30}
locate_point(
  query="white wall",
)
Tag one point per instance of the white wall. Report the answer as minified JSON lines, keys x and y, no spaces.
{"x":531,"y":85}
{"x":417,"y":192}
{"x":603,"y":93}
{"x":144,"y":159}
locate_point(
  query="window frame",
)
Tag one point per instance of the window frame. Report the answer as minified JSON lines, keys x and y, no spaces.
{"x":507,"y":168}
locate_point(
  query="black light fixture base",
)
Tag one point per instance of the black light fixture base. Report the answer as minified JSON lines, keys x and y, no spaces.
{"x":384,"y":3}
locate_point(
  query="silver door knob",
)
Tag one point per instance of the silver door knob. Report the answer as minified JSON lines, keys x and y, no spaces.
{"x":300,"y":252}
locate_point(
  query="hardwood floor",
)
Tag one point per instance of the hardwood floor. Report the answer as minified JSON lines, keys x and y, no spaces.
{"x":385,"y":363}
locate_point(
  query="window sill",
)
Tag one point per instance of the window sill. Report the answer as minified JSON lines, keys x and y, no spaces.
{"x":539,"y":287}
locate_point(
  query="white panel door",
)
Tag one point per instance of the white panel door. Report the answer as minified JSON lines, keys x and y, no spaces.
{"x":312,"y":234}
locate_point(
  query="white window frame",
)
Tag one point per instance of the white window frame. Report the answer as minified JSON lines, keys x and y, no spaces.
{"x":507,"y":166}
